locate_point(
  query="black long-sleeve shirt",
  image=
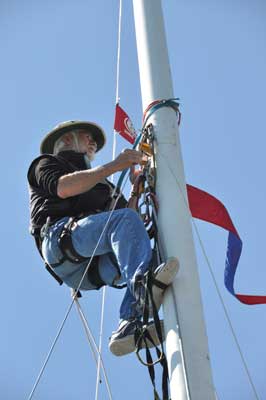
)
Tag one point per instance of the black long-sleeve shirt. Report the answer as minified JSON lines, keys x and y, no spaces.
{"x":43,"y":176}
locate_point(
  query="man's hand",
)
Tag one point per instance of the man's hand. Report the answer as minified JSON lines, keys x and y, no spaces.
{"x":127,"y":159}
{"x":80,"y":181}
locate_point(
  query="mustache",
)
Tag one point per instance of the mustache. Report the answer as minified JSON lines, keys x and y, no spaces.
{"x":92,"y":146}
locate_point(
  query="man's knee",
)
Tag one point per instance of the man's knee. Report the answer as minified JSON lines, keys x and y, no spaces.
{"x":131,"y":215}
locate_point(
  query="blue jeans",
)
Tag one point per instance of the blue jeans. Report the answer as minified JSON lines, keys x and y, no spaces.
{"x":125,"y":237}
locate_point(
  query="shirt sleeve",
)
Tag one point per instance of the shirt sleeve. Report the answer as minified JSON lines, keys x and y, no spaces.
{"x":47,"y":173}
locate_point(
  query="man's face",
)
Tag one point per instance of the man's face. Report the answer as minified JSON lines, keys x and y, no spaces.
{"x":87,"y":144}
{"x":81,"y":141}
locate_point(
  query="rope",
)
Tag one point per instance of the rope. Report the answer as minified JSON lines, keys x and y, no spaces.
{"x":50,"y":351}
{"x":214,"y":281}
{"x":117,"y":73}
{"x":118,"y":51}
{"x":226,"y":312}
{"x":73,"y":299}
{"x":93,"y":345}
{"x":112,"y":180}
{"x":100,"y":346}
{"x":89,"y":335}
{"x":123,"y":173}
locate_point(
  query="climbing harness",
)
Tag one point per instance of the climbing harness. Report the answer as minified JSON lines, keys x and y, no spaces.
{"x":38,"y":236}
{"x":69,"y":253}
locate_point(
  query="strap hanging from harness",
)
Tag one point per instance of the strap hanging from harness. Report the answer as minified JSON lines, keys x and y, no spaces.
{"x":143,"y":335}
{"x":144,"y":188}
{"x":54,"y":275}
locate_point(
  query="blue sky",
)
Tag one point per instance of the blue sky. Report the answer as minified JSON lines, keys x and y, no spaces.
{"x":58,"y":62}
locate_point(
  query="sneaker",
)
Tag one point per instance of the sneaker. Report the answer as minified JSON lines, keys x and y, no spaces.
{"x":163,"y":276}
{"x":122,"y":341}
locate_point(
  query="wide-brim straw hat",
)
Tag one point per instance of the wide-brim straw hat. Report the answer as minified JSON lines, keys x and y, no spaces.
{"x":47,"y":145}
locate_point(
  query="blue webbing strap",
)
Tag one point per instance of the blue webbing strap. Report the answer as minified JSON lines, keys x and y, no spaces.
{"x":123,"y":173}
{"x":159,"y":104}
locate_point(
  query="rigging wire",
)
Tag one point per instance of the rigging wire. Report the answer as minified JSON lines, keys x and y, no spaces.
{"x":226,"y":312}
{"x":104,"y":289}
{"x":93,"y":345}
{"x":118,"y":51}
{"x":89,"y":335}
{"x":74,"y":296}
{"x":100,"y":345}
{"x":214,"y":279}
{"x":117,"y":71}
{"x":112,"y":180}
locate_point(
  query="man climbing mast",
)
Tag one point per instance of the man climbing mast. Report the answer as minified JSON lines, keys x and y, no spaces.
{"x":70,"y":207}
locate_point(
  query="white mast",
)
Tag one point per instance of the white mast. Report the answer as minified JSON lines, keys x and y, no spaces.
{"x":189,"y":366}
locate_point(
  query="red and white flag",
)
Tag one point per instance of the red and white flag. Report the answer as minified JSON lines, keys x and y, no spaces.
{"x":123,"y":125}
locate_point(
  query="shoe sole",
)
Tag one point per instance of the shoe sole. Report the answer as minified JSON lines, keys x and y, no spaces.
{"x":127,"y":345}
{"x":166,"y":276}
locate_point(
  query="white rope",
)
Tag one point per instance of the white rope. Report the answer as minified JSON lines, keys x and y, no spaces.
{"x":88,"y":332}
{"x":214,"y":280}
{"x":118,"y":51}
{"x":226,"y":312}
{"x":100,"y":345}
{"x":112,"y":180}
{"x":104,"y":289}
{"x":93,"y":345}
{"x":117,"y":74}
{"x":74,"y":296}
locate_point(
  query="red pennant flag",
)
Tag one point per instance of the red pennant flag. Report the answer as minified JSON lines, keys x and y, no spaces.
{"x":123,"y":125}
{"x":206,"y":207}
